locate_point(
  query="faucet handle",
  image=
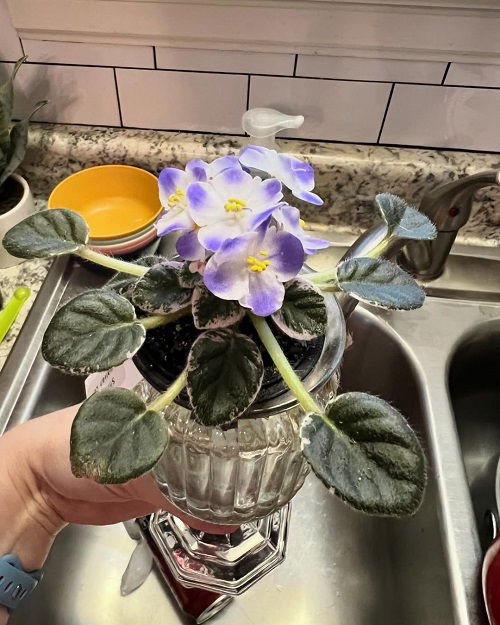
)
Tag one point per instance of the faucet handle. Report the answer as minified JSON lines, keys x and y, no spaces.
{"x":262,"y":124}
{"x":449,"y":205}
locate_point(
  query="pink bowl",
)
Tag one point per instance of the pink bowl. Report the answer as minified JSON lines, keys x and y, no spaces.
{"x":127,"y":247}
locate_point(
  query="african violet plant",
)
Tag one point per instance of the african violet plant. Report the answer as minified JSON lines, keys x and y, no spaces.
{"x":241,"y":252}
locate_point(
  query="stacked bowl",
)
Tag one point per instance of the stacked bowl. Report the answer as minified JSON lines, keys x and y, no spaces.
{"x":120,"y":203}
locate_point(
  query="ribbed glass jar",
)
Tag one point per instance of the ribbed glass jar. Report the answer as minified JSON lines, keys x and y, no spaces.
{"x":229,"y":475}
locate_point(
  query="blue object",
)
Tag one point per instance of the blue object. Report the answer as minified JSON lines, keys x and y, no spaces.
{"x":15,"y":582}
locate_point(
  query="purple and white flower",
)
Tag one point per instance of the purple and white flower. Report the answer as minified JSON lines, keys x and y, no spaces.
{"x":292,"y":172}
{"x":230,"y":205}
{"x":288,"y":217}
{"x":252,"y":268}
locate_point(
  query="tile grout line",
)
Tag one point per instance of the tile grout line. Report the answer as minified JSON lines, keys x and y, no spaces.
{"x":22,"y":46}
{"x":446,"y":74}
{"x":295,"y":65}
{"x":385,"y":112}
{"x":154,"y":58}
{"x":248,"y":91}
{"x":118,"y":97}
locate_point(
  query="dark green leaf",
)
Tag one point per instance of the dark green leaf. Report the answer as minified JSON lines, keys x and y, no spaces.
{"x":115,"y":438}
{"x":210,"y":312}
{"x":303,"y":313}
{"x":93,"y":332}
{"x":6,"y":106}
{"x":159,"y":291}
{"x":403,"y":220}
{"x":379,"y":282}
{"x":367,"y":453}
{"x":224,"y":375}
{"x":187,"y":278}
{"x":48,"y":233}
{"x":18,"y":142}
{"x":123,"y":283}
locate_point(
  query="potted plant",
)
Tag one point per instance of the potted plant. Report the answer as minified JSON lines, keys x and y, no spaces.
{"x":16,"y":200}
{"x":239,"y":344}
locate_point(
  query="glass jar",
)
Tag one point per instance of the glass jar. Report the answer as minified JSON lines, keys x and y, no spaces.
{"x":230,"y":475}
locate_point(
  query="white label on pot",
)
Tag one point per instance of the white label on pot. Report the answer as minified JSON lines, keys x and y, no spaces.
{"x":125,"y":376}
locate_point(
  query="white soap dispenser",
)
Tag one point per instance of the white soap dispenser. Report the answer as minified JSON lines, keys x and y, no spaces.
{"x":262,"y":124}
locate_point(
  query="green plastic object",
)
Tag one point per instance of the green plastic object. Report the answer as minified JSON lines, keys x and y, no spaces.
{"x":9,"y":313}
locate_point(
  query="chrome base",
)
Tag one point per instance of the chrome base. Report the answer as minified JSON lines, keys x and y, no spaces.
{"x":223,"y":563}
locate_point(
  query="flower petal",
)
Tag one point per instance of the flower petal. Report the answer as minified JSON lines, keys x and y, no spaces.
{"x":169,"y":180}
{"x":175,"y":219}
{"x":205,"y":204}
{"x":308,"y":196}
{"x":264,"y":193}
{"x":189,"y":247}
{"x":265,"y":293}
{"x":222,"y":163}
{"x":259,"y":158}
{"x":299,"y":175}
{"x":226,"y":273}
{"x":197,"y":169}
{"x":289,"y":218}
{"x":233,"y":182}
{"x":285,"y":253}
{"x":258,"y":218}
{"x":214,"y":235}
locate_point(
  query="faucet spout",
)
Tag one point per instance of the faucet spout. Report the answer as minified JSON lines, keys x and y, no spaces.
{"x":449,"y":206}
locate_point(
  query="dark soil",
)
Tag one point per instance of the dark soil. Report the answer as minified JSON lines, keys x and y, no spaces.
{"x":11,"y":193}
{"x":164,"y":354}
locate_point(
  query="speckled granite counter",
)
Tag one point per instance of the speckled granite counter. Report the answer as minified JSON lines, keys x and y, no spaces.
{"x":348,"y":177}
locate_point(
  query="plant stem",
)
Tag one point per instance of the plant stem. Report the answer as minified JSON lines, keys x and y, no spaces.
{"x":112,"y":263}
{"x":289,"y":376}
{"x":166,"y":398}
{"x":160,"y":320}
{"x":380,"y":248}
{"x":321,"y":276}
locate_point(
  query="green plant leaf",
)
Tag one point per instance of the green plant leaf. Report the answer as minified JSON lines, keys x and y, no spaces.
{"x":6,"y":106}
{"x":403,"y":220}
{"x":303,"y":313}
{"x":224,"y":375}
{"x":115,"y":438}
{"x":379,"y":282}
{"x":18,"y":143}
{"x":50,"y":232}
{"x":211,"y":312}
{"x":367,"y":453}
{"x":93,"y":332}
{"x":123,"y":283}
{"x":187,"y":278}
{"x":159,"y":291}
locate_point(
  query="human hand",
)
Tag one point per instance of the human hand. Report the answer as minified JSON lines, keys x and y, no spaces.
{"x":39,"y":495}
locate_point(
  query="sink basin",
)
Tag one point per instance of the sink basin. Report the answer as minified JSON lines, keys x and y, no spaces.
{"x":475,"y":396}
{"x":342,"y":567}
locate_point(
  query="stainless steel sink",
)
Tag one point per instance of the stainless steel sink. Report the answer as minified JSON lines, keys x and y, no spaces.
{"x":475,"y":396}
{"x":342,"y":567}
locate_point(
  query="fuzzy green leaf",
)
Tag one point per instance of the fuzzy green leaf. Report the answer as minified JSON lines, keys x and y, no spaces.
{"x":115,"y":438}
{"x":379,"y":282}
{"x":47,"y":233}
{"x":123,"y":283}
{"x":303,"y":314}
{"x":224,"y":375}
{"x":93,"y":332}
{"x":403,"y":220}
{"x":159,"y":291}
{"x":367,"y":453}
{"x":187,"y":278}
{"x":18,"y":143}
{"x":211,"y":312}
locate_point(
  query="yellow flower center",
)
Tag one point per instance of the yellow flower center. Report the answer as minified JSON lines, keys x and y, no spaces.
{"x":233,"y":205}
{"x":177,"y":198}
{"x":258,"y":265}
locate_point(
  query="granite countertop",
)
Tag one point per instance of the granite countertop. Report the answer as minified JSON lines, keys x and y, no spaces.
{"x":347,"y":178}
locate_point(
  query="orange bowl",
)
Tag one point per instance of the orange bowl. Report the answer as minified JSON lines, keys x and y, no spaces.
{"x":115,"y":200}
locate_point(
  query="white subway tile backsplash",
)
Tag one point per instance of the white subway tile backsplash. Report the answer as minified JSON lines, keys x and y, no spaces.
{"x":334,"y":110}
{"x":353,"y":68}
{"x":89,"y":53}
{"x":450,"y":117}
{"x":10,"y":48}
{"x":77,"y":95}
{"x":225,"y":61}
{"x":473,"y":75}
{"x":180,"y":100}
